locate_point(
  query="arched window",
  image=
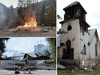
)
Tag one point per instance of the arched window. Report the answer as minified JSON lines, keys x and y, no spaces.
{"x":84,"y":50}
{"x":95,"y":49}
{"x":68,"y":44}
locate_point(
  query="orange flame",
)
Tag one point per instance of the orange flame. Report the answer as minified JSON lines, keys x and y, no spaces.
{"x":30,"y":25}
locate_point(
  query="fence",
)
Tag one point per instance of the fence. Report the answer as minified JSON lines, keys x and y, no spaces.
{"x":42,"y":65}
{"x":7,"y":64}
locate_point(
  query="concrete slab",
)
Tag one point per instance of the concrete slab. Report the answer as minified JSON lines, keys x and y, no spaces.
{"x":34,"y":72}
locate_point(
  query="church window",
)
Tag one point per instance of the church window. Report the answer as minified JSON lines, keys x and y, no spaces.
{"x":69,"y":27}
{"x":82,"y":32}
{"x":95,"y":49}
{"x":83,"y":50}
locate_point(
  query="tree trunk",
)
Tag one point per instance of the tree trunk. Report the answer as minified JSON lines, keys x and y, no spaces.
{"x":51,"y":26}
{"x":48,"y":28}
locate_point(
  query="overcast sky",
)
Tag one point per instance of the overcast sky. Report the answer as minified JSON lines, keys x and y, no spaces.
{"x":8,"y":3}
{"x":25,"y":45}
{"x":91,"y":7}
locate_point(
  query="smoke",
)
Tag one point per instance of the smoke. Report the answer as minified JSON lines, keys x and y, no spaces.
{"x":11,"y":52}
{"x":3,"y":17}
{"x":40,"y":48}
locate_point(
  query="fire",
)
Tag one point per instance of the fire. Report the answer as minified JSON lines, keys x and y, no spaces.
{"x":30,"y":25}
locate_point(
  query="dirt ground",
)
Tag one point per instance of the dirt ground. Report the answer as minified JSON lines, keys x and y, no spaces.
{"x":22,"y":33}
{"x":34,"y":72}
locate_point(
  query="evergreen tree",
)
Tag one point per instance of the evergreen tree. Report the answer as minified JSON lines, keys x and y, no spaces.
{"x":52,"y":42}
{"x":42,"y":18}
{"x":51,"y":15}
{"x":2,"y":45}
{"x":61,"y":32}
{"x":59,"y":17}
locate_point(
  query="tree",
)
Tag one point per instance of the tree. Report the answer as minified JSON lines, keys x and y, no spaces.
{"x":51,"y":15}
{"x":21,"y":14}
{"x":2,"y":45}
{"x":42,"y":17}
{"x":59,"y":17}
{"x":52,"y":42}
{"x":61,"y":32}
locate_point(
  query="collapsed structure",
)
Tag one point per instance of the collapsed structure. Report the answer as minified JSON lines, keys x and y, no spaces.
{"x":79,"y":44}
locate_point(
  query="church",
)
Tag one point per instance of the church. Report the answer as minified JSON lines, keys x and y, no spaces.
{"x":78,"y":44}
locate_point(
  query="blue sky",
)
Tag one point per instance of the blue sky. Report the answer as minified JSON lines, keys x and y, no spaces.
{"x":24,"y":44}
{"x":8,"y":3}
{"x":91,"y":7}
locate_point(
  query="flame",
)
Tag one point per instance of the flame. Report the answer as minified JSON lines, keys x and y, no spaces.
{"x":30,"y":25}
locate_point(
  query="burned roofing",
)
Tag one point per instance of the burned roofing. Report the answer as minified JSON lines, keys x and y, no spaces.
{"x":91,"y":34}
{"x":67,"y":20}
{"x":73,"y":4}
{"x":43,"y":57}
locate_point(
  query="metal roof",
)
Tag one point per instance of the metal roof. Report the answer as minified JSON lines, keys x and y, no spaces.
{"x":73,"y":4}
{"x":91,"y":34}
{"x":30,"y":57}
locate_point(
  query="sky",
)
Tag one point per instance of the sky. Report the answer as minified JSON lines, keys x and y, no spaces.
{"x":91,"y":7}
{"x":8,"y":3}
{"x":22,"y":45}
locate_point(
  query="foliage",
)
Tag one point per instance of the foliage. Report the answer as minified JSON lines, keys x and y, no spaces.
{"x":13,"y":20}
{"x":87,"y":72}
{"x":52,"y":42}
{"x":63,"y":72}
{"x":49,"y":65}
{"x":21,"y":13}
{"x":2,"y":45}
{"x":32,"y":9}
{"x":50,"y":62}
{"x":51,"y":15}
{"x":59,"y":17}
{"x":42,"y":17}
{"x":61,"y":32}
{"x":46,"y":16}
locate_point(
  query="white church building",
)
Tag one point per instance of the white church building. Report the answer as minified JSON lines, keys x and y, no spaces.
{"x":79,"y":43}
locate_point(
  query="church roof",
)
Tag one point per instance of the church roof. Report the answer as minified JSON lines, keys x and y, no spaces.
{"x":30,"y":57}
{"x":91,"y":34}
{"x":73,"y":4}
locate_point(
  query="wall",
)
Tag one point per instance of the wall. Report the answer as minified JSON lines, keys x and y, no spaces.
{"x":73,"y":35}
{"x":78,"y":40}
{"x":84,"y":41}
{"x":92,"y":48}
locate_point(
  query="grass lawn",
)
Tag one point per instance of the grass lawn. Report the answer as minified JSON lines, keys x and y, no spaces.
{"x":66,"y":72}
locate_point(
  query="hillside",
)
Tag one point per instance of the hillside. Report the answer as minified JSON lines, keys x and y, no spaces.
{"x":9,"y":15}
{"x":4,"y":12}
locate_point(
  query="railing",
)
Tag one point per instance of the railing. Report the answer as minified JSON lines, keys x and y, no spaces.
{"x":42,"y":65}
{"x":7,"y":64}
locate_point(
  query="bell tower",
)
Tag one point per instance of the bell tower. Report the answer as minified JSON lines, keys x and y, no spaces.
{"x":75,"y":24}
{"x":74,"y":10}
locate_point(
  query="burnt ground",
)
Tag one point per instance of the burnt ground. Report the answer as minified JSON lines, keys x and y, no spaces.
{"x":26,"y":33}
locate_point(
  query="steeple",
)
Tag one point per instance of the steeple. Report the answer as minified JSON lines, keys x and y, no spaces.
{"x":75,"y":11}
